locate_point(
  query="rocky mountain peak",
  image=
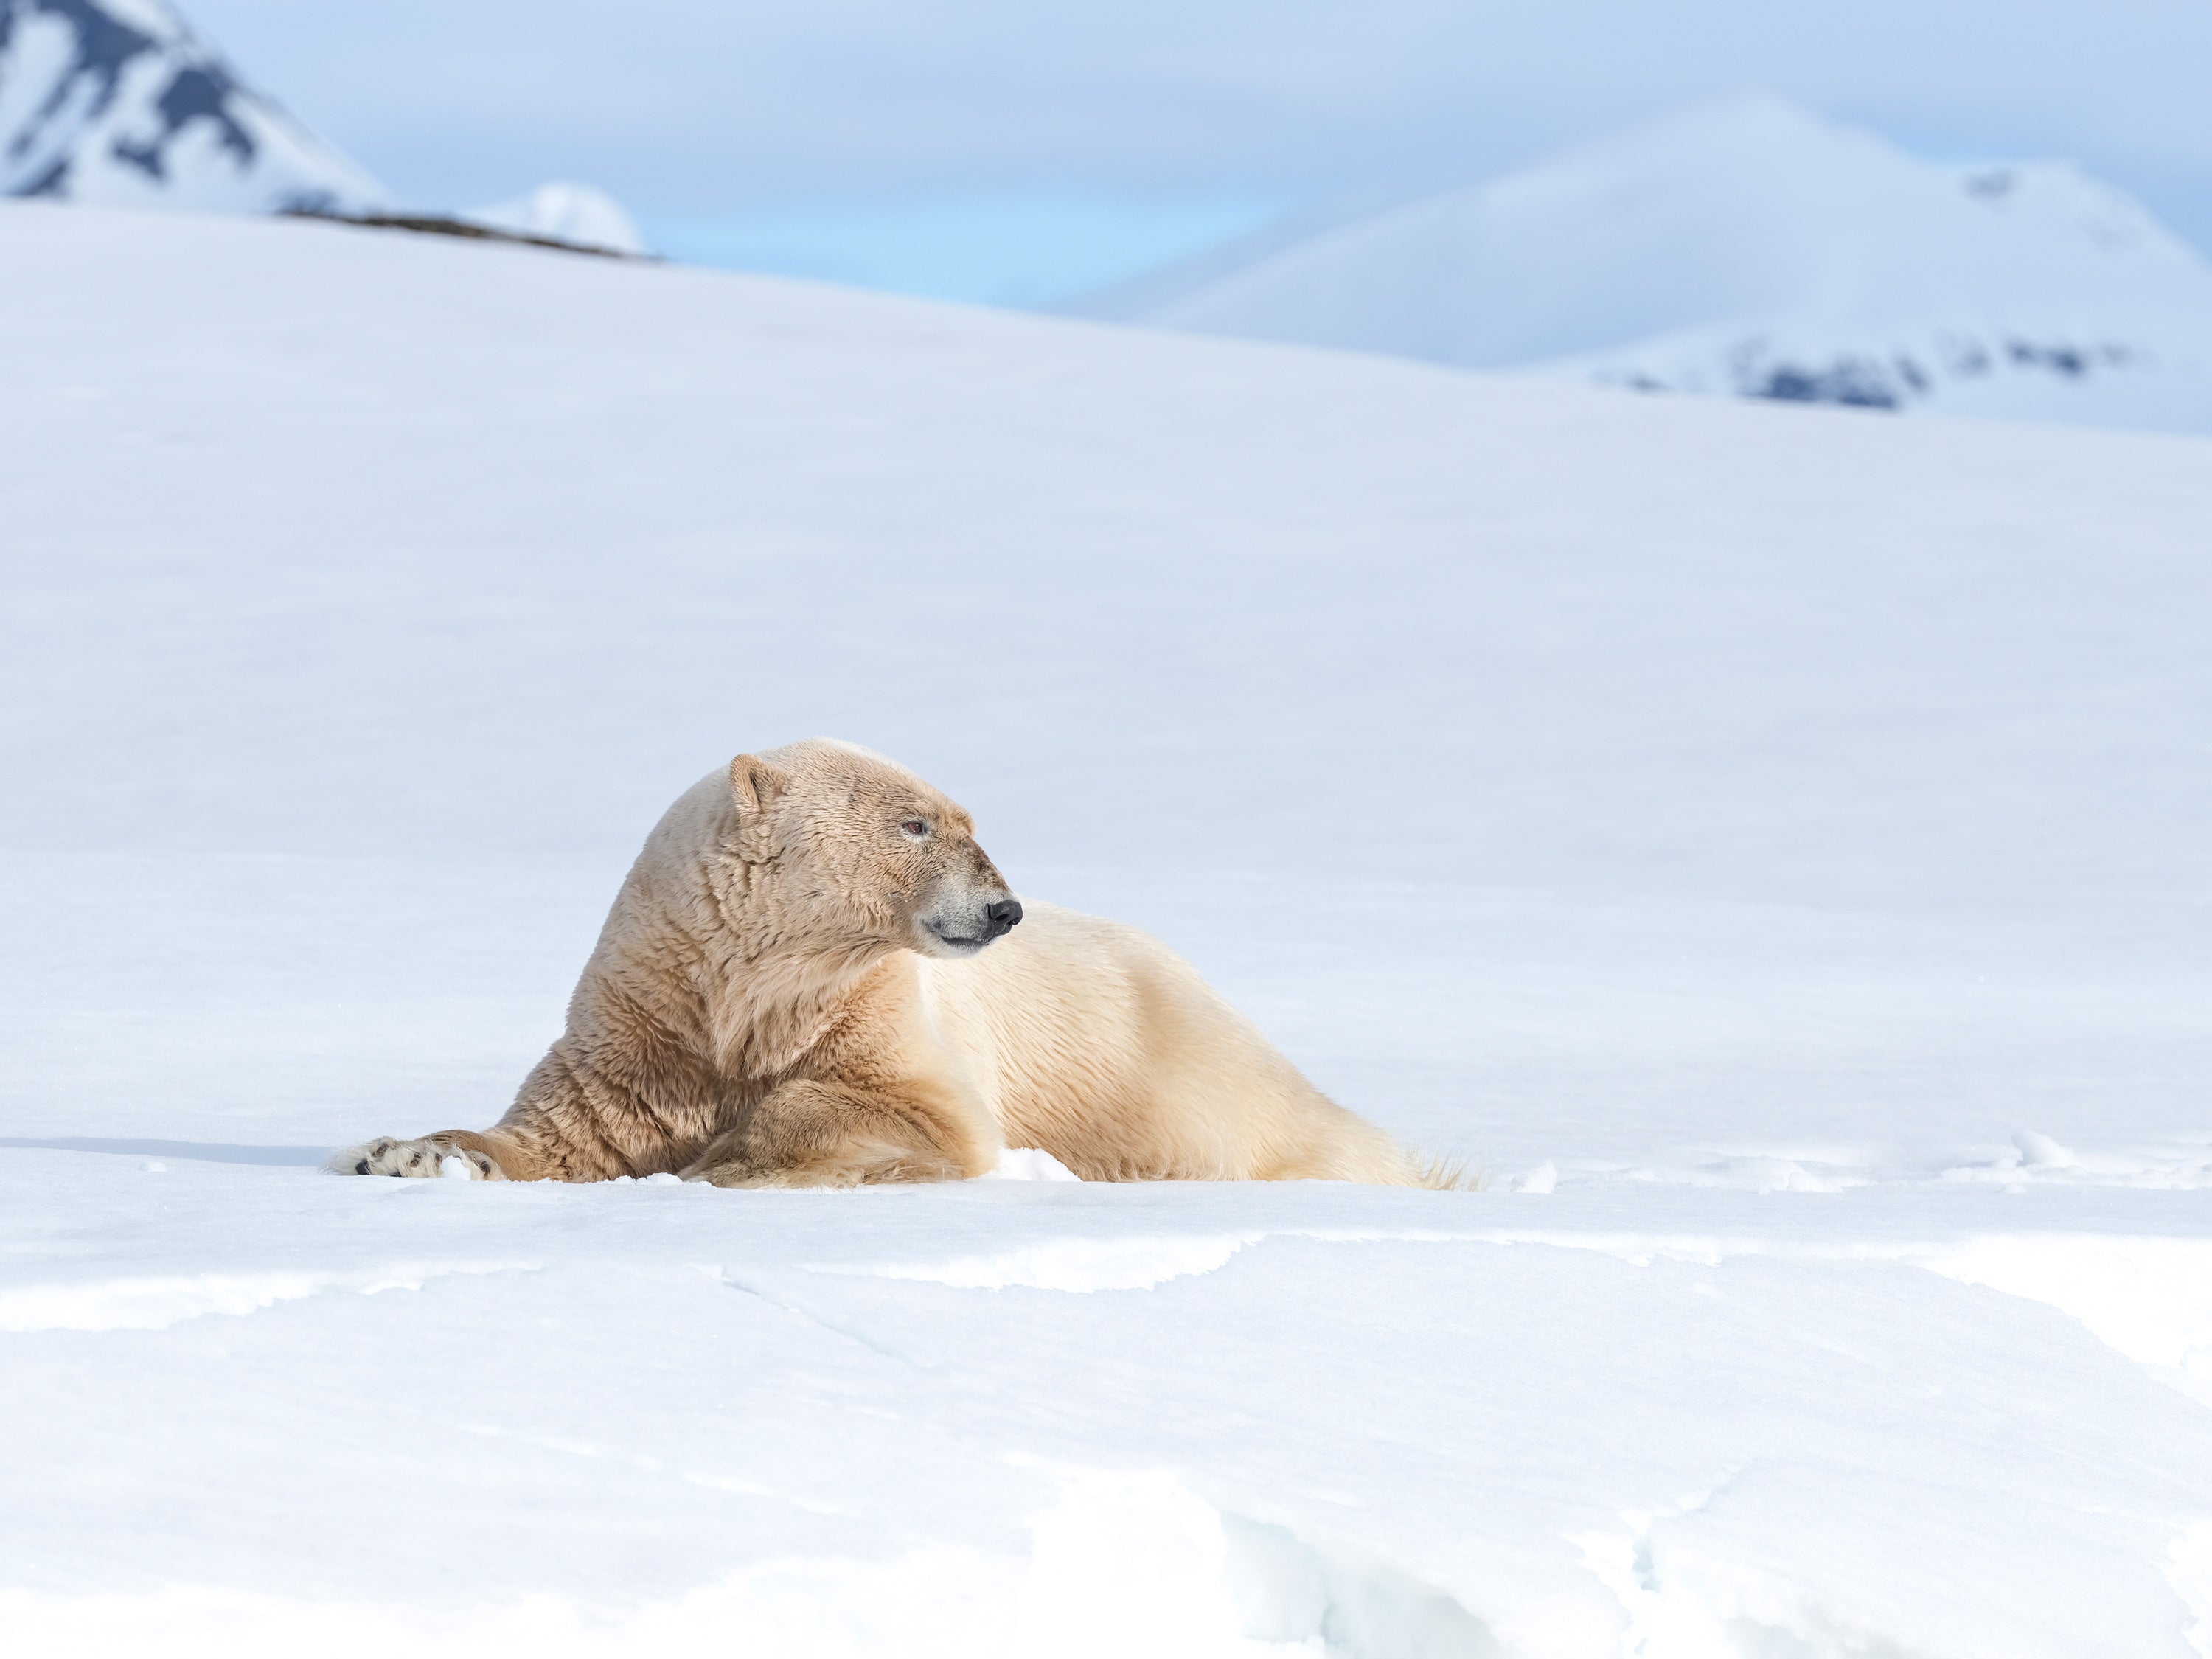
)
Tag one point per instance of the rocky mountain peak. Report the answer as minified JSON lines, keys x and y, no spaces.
{"x":122,"y":103}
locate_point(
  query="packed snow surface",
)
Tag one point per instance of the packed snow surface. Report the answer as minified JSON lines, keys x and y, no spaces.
{"x":1768,"y":840}
{"x":120,"y":102}
{"x":1748,"y":246}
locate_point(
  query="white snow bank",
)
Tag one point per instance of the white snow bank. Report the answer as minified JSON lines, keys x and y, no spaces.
{"x":1794,"y":1428}
{"x":155,"y":1304}
{"x":1120,"y":1563}
{"x":2150,"y":1298}
{"x":1029,"y":1163}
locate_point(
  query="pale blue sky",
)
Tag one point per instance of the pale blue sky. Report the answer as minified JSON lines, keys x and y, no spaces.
{"x":1028,"y":247}
{"x":1019,"y":149}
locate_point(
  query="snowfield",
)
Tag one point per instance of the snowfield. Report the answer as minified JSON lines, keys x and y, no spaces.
{"x":1770,"y":840}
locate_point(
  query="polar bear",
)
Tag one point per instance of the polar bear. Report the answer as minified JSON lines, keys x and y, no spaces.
{"x":813,"y":976}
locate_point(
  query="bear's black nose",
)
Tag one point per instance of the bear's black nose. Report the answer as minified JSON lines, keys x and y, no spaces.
{"x":1002,"y":916}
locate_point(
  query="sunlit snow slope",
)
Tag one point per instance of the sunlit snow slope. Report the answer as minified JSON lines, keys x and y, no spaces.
{"x":1750,"y":248}
{"x":1769,"y":839}
{"x":120,"y":102}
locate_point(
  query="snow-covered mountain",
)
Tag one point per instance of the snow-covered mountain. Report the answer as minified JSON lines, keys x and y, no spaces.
{"x":121,"y":103}
{"x":1748,"y":246}
{"x":581,"y":216}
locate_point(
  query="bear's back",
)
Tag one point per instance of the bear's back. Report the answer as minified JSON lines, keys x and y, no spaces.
{"x":1094,"y":1041}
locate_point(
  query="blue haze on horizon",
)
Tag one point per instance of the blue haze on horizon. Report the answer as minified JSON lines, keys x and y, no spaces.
{"x":996,"y":151}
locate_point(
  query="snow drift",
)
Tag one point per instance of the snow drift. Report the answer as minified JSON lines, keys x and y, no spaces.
{"x":1749,"y":248}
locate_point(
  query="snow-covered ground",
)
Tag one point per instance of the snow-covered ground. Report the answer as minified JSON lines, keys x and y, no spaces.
{"x":1769,"y":839}
{"x":1748,"y":246}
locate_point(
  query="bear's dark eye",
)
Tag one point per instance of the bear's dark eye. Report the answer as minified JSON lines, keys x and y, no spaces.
{"x":916,"y":827}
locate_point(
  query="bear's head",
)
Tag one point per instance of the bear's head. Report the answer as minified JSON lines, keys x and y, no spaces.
{"x":862,"y":846}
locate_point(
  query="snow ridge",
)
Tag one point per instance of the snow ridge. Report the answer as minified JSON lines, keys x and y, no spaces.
{"x":148,"y":1303}
{"x":121,"y":103}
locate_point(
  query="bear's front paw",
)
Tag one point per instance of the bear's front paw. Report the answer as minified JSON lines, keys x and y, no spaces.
{"x":419,"y":1158}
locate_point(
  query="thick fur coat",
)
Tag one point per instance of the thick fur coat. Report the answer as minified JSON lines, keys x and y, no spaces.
{"x":813,"y":976}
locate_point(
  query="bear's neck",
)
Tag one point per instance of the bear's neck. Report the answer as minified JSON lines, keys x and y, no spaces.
{"x":774,"y":1009}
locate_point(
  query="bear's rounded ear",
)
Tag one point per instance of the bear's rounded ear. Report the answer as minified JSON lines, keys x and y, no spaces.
{"x":755,"y":784}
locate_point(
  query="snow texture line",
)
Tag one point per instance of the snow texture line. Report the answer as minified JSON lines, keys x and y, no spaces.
{"x":150,"y":1303}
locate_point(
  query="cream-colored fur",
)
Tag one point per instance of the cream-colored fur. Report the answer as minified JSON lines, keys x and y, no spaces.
{"x":798,"y":986}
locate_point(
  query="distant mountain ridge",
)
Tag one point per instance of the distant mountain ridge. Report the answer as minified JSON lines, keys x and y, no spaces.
{"x":120,"y":103}
{"x":562,"y":210}
{"x":1749,"y":247}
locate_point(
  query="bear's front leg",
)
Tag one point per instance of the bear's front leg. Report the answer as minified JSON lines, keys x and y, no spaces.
{"x":830,"y":1134}
{"x":421,"y":1159}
